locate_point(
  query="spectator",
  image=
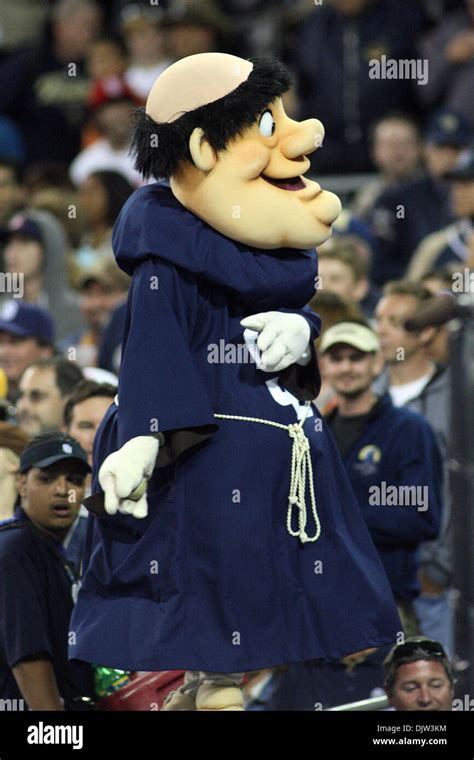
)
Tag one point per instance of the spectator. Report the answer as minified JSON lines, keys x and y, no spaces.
{"x":419,"y":676}
{"x":193,"y":28}
{"x":454,"y":245}
{"x":102,"y":289}
{"x":48,"y":188}
{"x":107,"y":58}
{"x":261,"y":27}
{"x":83,"y":414}
{"x":344,"y":272}
{"x":42,"y":394}
{"x":408,"y":212}
{"x":415,"y":381}
{"x":37,"y":582}
{"x":12,"y":443}
{"x":35,"y":254}
{"x":45,"y":175}
{"x":396,"y":152}
{"x":106,"y":64}
{"x":101,"y":197}
{"x":146,"y":42}
{"x":22,"y":23}
{"x":26,"y":335}
{"x":333,"y":56}
{"x":409,"y":373}
{"x":84,"y":411}
{"x":332,"y":308}
{"x":47,"y":87}
{"x":384,"y":446}
{"x":11,"y":191}
{"x":449,"y":50}
{"x":113,"y":106}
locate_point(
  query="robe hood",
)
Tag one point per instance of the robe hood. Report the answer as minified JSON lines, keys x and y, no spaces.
{"x":154,"y":223}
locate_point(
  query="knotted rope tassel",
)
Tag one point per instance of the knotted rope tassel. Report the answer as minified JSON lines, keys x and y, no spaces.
{"x":301,"y":468}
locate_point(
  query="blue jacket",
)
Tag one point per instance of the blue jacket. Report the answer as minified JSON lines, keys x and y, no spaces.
{"x":398,"y":448}
{"x":402,"y":217}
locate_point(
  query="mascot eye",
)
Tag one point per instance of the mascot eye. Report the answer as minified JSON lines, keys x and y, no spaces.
{"x":267,"y":125}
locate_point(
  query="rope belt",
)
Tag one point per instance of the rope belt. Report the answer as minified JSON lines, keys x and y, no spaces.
{"x":301,"y":467}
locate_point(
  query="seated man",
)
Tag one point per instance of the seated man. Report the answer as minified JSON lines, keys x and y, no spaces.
{"x":418,"y":676}
{"x":37,"y":583}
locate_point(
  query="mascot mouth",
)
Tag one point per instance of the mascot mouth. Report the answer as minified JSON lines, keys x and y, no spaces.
{"x":288,"y":183}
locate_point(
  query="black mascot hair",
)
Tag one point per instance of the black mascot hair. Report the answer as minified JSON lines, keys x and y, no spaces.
{"x":158,"y":148}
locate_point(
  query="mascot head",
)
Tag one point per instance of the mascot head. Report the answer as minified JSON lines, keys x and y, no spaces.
{"x":215,"y":125}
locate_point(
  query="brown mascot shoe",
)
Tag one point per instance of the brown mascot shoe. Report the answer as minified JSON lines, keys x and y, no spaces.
{"x":210,"y":698}
{"x":176,"y":700}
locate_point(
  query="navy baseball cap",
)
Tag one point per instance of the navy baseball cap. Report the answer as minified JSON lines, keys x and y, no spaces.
{"x":26,"y":320}
{"x":47,"y":449}
{"x":463,"y":170}
{"x":20,"y":224}
{"x":448,"y":128}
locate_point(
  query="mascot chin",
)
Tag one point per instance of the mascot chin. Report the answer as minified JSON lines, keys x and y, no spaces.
{"x":224,"y":535}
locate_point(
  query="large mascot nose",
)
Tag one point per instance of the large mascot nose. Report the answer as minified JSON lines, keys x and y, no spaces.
{"x":304,"y":138}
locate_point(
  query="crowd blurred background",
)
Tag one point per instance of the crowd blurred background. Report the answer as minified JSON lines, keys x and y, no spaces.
{"x":399,"y":151}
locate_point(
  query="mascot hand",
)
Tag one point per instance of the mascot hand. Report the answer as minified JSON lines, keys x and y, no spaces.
{"x":283,"y":339}
{"x":124,"y":473}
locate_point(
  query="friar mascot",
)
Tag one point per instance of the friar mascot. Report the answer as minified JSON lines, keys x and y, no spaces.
{"x":226,"y":537}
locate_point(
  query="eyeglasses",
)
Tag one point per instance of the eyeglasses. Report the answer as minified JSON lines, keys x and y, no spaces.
{"x":428,"y":646}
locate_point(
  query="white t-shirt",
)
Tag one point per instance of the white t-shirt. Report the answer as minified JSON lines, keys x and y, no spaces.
{"x":400,"y":394}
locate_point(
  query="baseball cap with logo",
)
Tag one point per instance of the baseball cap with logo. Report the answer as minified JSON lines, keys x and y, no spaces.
{"x":46,"y":449}
{"x":448,"y":128}
{"x":26,"y":320}
{"x":463,"y":170}
{"x":351,"y":334}
{"x":20,"y":224}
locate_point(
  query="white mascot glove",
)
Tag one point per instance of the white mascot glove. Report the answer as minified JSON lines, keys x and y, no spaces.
{"x":283,"y":339}
{"x":123,"y":476}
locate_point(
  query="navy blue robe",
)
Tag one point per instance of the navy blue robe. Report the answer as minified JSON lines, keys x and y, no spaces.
{"x":211,"y":579}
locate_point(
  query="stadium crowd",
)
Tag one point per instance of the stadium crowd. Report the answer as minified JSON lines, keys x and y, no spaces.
{"x":400,"y":144}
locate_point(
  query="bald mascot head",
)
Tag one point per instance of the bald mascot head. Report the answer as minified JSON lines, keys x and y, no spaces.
{"x":216,"y":126}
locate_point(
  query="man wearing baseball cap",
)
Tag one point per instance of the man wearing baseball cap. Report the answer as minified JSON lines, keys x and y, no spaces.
{"x":37,"y":583}
{"x":382,"y":447}
{"x":26,"y":335}
{"x":407,"y":213}
{"x":453,"y":246}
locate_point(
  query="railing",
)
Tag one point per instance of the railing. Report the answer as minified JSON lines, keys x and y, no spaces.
{"x":365,"y":705}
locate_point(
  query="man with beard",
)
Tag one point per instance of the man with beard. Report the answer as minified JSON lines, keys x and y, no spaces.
{"x":391,"y":458}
